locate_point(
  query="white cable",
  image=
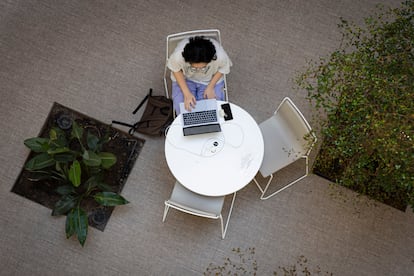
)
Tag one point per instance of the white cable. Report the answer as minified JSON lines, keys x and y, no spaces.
{"x":241,"y":133}
{"x":219,"y":139}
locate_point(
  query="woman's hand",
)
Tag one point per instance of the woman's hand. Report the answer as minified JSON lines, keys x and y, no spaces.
{"x":209,"y":93}
{"x":189,"y":101}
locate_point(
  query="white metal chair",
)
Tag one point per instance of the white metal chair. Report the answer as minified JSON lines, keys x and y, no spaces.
{"x":189,"y":202}
{"x":288,"y":137}
{"x":173,"y":40}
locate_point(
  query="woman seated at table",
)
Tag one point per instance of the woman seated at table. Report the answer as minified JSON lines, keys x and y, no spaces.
{"x":198,"y":65}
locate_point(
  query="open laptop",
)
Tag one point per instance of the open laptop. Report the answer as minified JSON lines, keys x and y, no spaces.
{"x":203,"y":118}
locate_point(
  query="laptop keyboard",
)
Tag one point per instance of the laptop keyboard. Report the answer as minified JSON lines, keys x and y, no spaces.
{"x":201,"y":117}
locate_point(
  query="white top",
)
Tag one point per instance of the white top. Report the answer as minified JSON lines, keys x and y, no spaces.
{"x":176,"y":63}
{"x":216,"y":164}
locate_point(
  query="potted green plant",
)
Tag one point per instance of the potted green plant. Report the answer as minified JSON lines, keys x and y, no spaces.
{"x":74,"y":159}
{"x":364,"y":91}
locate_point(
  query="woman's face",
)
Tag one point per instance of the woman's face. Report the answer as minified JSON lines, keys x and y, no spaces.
{"x":199,"y":67}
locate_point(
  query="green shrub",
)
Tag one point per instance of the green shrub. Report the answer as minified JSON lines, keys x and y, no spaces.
{"x":364,"y":92}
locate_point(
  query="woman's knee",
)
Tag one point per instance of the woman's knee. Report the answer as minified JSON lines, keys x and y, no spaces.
{"x":219,"y":90}
{"x":177,"y":97}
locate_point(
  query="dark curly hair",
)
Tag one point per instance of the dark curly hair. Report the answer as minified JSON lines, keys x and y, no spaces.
{"x":199,"y":50}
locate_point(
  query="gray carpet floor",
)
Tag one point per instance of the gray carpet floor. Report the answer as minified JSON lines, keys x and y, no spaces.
{"x":100,"y":58}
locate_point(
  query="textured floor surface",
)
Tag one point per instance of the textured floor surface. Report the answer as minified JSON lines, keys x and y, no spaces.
{"x":100,"y":58}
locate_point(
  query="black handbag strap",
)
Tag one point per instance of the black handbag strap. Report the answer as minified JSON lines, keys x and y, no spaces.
{"x":143,"y":101}
{"x":122,"y":123}
{"x":135,"y":126}
{"x":165,"y":112}
{"x":135,"y":111}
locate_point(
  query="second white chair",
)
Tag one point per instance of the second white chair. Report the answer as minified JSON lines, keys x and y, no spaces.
{"x":287,"y":137}
{"x":189,"y":202}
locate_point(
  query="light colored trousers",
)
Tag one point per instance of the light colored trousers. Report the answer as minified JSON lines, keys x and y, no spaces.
{"x":197,"y":89}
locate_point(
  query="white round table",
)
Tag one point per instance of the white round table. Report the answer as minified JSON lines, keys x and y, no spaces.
{"x":216,"y":164}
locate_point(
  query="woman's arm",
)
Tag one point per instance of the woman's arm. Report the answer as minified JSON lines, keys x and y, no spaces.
{"x":189,"y":99}
{"x":209,"y":93}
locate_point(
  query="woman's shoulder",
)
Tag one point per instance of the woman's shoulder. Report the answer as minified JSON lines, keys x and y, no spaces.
{"x":216,"y":44}
{"x":220,"y":52}
{"x":180,"y":46}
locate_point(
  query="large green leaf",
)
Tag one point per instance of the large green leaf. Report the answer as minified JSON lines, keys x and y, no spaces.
{"x":77,"y":131}
{"x":70,"y":225}
{"x":58,"y":150}
{"x":92,"y":141}
{"x":53,"y":135}
{"x":108,"y":159}
{"x":58,"y":137}
{"x":40,"y":161}
{"x":37,"y":144}
{"x":110,"y":199}
{"x":91,"y":159}
{"x":75,"y":173}
{"x":91,"y":184}
{"x":41,"y":175}
{"x":61,"y":170}
{"x":64,"y":157}
{"x":63,"y":206}
{"x":104,"y":187}
{"x":77,"y":223}
{"x":65,"y":189}
{"x":96,"y":181}
{"x":94,"y":170}
{"x":105,"y":139}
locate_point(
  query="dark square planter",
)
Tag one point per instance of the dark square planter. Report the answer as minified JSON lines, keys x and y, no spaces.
{"x":125,"y":147}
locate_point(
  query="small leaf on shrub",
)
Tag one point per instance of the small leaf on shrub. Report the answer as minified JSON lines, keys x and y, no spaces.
{"x":77,"y":223}
{"x":64,"y":205}
{"x":40,"y":161}
{"x":75,"y":173}
{"x":37,"y":144}
{"x":91,"y":159}
{"x":110,"y":199}
{"x":108,"y":159}
{"x":77,"y":131}
{"x":92,"y":141}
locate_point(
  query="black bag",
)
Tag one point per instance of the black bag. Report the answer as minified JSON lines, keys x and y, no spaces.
{"x":157,"y":116}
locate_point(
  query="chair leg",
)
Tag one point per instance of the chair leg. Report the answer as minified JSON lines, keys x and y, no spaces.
{"x":263,"y":197}
{"x":166,"y":208}
{"x":167,"y":94}
{"x":224,"y":229}
{"x":263,"y":191}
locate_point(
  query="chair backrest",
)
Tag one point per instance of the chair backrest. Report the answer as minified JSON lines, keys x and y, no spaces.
{"x":195,"y":204}
{"x":172,"y":42}
{"x":189,"y":202}
{"x":295,"y":127}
